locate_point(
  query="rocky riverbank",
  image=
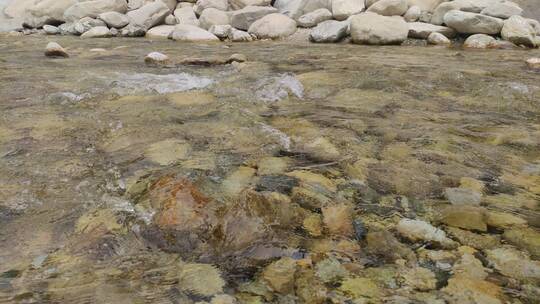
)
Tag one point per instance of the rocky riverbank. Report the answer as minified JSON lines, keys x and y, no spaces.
{"x":480,"y":23}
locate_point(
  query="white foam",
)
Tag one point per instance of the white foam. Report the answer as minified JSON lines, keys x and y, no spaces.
{"x":276,"y":88}
{"x":128,"y":84}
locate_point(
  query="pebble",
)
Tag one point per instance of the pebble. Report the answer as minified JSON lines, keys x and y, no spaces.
{"x":156,"y":58}
{"x":237,"y":58}
{"x":54,"y":49}
{"x":533,"y":63}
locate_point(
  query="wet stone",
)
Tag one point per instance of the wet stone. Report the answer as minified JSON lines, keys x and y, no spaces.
{"x":515,"y":264}
{"x":156,"y":58}
{"x":464,"y":217}
{"x":475,"y":240}
{"x":54,"y":49}
{"x":200,"y":279}
{"x":313,"y":225}
{"x":526,"y":238}
{"x":360,"y":288}
{"x":417,"y":230}
{"x":384,"y":244}
{"x":337,"y":219}
{"x":463,"y":196}
{"x":280,"y":275}
{"x":276,"y":183}
{"x":420,"y":278}
{"x":331,"y":271}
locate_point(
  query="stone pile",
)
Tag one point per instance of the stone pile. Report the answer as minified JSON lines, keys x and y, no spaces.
{"x":484,"y":24}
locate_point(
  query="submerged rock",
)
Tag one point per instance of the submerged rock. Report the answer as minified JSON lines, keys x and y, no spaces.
{"x":313,"y":225}
{"x":54,"y":49}
{"x":469,"y":290}
{"x":526,"y":238}
{"x":337,"y":219}
{"x":200,"y":279}
{"x":515,"y":264}
{"x":361,"y":288}
{"x":168,"y":151}
{"x":503,"y":220}
{"x":384,"y":244}
{"x":470,"y":267}
{"x":463,"y":196}
{"x":469,"y":218}
{"x":280,"y":275}
{"x":474,"y":240}
{"x":331,"y":271}
{"x":309,"y":288}
{"x":420,"y":278}
{"x":417,"y":230}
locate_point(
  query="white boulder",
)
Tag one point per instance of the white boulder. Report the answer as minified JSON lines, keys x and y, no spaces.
{"x":201,"y":5}
{"x":273,"y":26}
{"x":422,"y":30}
{"x":243,"y":18}
{"x":149,"y":15}
{"x":97,"y":32}
{"x":472,"y":23}
{"x":314,"y":18}
{"x":518,"y":30}
{"x":94,"y":8}
{"x":160,"y":32}
{"x":239,"y":4}
{"x":329,"y":31}
{"x":186,"y":15}
{"x":502,"y":10}
{"x":212,"y":16}
{"x":343,"y":9}
{"x":389,"y":7}
{"x":297,"y":8}
{"x":371,"y":28}
{"x":186,"y":32}
{"x":479,"y":41}
{"x":413,"y":14}
{"x":438,"y":39}
{"x":114,"y":19}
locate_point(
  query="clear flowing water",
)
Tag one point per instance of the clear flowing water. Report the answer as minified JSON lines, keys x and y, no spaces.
{"x":125,"y":183}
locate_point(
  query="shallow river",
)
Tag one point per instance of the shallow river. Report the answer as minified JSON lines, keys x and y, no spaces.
{"x":284,"y":179}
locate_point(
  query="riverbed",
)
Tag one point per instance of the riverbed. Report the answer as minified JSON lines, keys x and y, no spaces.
{"x":283,"y":179}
